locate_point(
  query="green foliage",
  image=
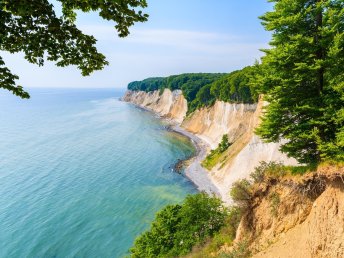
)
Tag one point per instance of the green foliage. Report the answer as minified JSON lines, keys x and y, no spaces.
{"x":236,"y":87}
{"x":32,"y":27}
{"x":224,"y":144}
{"x":7,"y":81}
{"x":226,"y":235}
{"x":300,"y":170}
{"x":303,"y":79}
{"x":268,"y":169}
{"x":191,"y":84}
{"x":241,"y":194}
{"x":213,"y":158}
{"x":177,"y":228}
{"x":203,"y":89}
{"x":277,"y":170}
{"x":228,"y":232}
{"x":233,"y":221}
{"x":150,"y":84}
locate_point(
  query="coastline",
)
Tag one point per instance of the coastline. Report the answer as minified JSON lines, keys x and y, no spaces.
{"x":194,"y":171}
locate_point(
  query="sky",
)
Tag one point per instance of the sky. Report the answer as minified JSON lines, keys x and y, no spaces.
{"x":180,"y":36}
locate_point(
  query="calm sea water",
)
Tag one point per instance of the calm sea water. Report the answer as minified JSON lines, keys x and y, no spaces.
{"x":82,"y":174}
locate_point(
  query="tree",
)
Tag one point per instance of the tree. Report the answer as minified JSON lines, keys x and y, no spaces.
{"x":241,"y":194}
{"x":303,"y":78}
{"x":235,"y":87}
{"x":32,"y":27}
{"x":177,"y":228}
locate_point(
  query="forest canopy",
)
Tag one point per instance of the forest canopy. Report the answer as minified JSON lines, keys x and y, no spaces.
{"x":203,"y":89}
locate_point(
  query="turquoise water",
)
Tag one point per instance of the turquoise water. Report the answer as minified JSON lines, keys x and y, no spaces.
{"x":81,"y":173}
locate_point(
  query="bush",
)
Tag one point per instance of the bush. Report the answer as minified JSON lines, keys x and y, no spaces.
{"x":224,"y":144}
{"x":265,"y":169}
{"x":212,"y":159}
{"x":300,"y":170}
{"x":241,"y":194}
{"x":177,"y":228}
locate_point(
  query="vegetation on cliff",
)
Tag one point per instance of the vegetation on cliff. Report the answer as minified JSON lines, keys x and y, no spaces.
{"x":274,"y":199}
{"x":204,"y":89}
{"x":213,"y":157}
{"x":190,"y":84}
{"x":177,"y":228}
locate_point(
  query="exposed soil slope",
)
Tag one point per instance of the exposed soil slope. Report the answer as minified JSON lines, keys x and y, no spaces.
{"x":307,"y":221}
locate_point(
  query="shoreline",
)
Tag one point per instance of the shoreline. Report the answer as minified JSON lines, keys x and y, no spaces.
{"x":194,"y":171}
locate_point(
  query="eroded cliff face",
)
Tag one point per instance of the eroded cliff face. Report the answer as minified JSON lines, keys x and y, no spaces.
{"x":238,"y":121}
{"x":211,"y":123}
{"x":306,"y":222}
{"x":169,"y":104}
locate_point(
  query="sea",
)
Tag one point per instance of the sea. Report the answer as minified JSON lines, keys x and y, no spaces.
{"x":82,"y":174}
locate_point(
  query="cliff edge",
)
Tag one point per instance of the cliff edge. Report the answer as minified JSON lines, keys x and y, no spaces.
{"x":288,"y":216}
{"x":306,"y":221}
{"x":209,"y":124}
{"x":171,"y":105}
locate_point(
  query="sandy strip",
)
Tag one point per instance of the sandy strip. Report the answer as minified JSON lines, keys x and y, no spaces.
{"x":195,"y":172}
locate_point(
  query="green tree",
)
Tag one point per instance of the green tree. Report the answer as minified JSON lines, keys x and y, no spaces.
{"x":235,"y":87}
{"x":241,"y":194}
{"x":303,"y":78}
{"x":195,"y":87}
{"x":203,"y":89}
{"x":32,"y":27}
{"x":224,"y":144}
{"x":177,"y":228}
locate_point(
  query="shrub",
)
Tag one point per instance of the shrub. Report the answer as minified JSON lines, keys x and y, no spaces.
{"x":212,"y":159}
{"x":224,"y":144}
{"x":226,"y":235}
{"x":268,"y":169}
{"x":300,"y":170}
{"x":241,"y":194}
{"x":177,"y":228}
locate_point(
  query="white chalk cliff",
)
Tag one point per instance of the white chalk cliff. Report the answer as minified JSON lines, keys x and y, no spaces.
{"x":238,"y":121}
